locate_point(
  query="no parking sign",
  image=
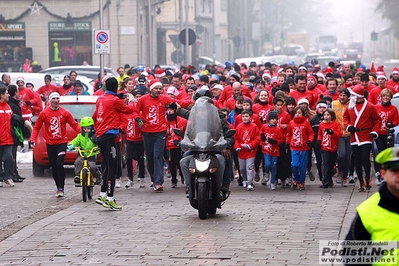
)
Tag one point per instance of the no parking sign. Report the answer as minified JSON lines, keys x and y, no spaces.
{"x":101,"y":42}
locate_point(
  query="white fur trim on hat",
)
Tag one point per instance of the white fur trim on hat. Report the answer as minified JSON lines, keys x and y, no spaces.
{"x":303,"y":100}
{"x":145,"y":73}
{"x":266,"y":75}
{"x":53,"y":95}
{"x":321,"y":105}
{"x":382,"y":76}
{"x":20,"y":79}
{"x":163,"y":74}
{"x":218,"y":86}
{"x":155,"y":85}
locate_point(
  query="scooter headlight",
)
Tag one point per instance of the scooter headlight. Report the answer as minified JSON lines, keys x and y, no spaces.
{"x":202,"y":165}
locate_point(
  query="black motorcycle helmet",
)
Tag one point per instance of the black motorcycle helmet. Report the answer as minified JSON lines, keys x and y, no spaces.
{"x":202,"y":92}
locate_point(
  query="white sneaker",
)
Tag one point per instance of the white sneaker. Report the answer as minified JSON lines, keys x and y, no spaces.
{"x":264,"y":180}
{"x":142,"y":183}
{"x":1,"y":183}
{"x":244,"y":184}
{"x":129,"y":184}
{"x":118,"y":183}
{"x":272,"y":186}
{"x":9,"y":182}
{"x":250,"y":187}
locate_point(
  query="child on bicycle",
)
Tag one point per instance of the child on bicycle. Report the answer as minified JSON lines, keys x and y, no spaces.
{"x":84,"y":141}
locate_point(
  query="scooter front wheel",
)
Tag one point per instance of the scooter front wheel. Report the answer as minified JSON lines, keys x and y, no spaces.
{"x":202,"y":200}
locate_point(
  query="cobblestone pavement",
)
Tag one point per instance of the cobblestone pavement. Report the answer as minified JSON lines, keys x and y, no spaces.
{"x":257,"y":227}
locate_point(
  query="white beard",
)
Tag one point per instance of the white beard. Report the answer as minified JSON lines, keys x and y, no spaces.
{"x":352,"y":101}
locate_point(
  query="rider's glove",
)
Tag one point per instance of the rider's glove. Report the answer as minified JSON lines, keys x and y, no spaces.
{"x":70,"y":147}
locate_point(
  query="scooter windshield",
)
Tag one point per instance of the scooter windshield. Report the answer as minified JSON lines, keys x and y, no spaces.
{"x":204,"y":130}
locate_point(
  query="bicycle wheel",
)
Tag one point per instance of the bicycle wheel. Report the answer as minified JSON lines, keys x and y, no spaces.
{"x":90,"y":187}
{"x":84,"y":174}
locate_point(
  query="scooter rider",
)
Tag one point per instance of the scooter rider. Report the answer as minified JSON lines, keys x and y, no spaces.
{"x":225,"y":163}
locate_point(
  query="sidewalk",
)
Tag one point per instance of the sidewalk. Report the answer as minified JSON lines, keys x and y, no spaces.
{"x":279,"y":227}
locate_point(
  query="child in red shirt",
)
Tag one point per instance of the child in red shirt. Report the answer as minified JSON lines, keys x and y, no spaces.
{"x":272,"y":137}
{"x":246,"y":143}
{"x":328,"y":136}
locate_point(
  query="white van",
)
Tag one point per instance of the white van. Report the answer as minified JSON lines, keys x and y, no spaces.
{"x":36,"y":78}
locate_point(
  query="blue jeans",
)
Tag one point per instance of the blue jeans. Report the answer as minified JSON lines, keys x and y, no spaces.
{"x":271,"y":165}
{"x":298,"y":164}
{"x":154,"y":145}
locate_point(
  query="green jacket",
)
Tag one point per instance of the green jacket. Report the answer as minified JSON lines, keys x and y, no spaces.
{"x":84,"y":142}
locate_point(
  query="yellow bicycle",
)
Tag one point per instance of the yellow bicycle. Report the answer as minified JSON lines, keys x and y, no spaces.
{"x":85,"y":176}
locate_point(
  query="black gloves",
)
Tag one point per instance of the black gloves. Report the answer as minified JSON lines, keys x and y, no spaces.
{"x":262,"y":137}
{"x":272,"y":141}
{"x":329,"y":131}
{"x":176,"y":143}
{"x":28,"y":103}
{"x":351,"y":129}
{"x":309,"y":143}
{"x":374,"y":135}
{"x":43,"y":98}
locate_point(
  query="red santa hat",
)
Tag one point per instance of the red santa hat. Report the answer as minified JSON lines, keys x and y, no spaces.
{"x":20,"y":79}
{"x":328,"y":70}
{"x":311,"y":77}
{"x":160,"y":73}
{"x":359,"y":70}
{"x":395,"y":70}
{"x":154,"y":83}
{"x":380,"y":69}
{"x":357,"y":91}
{"x":381,"y":75}
{"x":372,"y":68}
{"x":173,"y":90}
{"x":185,"y":76}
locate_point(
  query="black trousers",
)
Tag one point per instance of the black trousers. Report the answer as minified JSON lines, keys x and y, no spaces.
{"x":362,"y":158}
{"x":381,"y":143}
{"x":328,"y":159}
{"x":109,"y":156}
{"x":135,"y":151}
{"x":174,"y":157}
{"x":284,"y":163}
{"x":56,"y":156}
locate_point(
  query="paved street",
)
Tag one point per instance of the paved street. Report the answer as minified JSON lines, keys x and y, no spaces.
{"x":253,"y":228}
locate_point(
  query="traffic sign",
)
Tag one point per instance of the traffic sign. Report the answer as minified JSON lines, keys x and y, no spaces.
{"x":102,"y":42}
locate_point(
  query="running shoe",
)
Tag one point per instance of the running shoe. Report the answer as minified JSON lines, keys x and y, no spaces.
{"x":361,"y":187}
{"x":100,"y":200}
{"x":351,"y":180}
{"x":250,"y":187}
{"x":272,"y":187}
{"x":174,"y":185}
{"x":368,"y":184}
{"x":257,"y":177}
{"x":311,"y":176}
{"x":9,"y":182}
{"x":111,"y":205}
{"x":142,"y":183}
{"x":294,"y":184}
{"x":118,"y":182}
{"x":344,"y":182}
{"x":302,"y":186}
{"x":59,"y":193}
{"x":129,"y":184}
{"x":158,"y":188}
